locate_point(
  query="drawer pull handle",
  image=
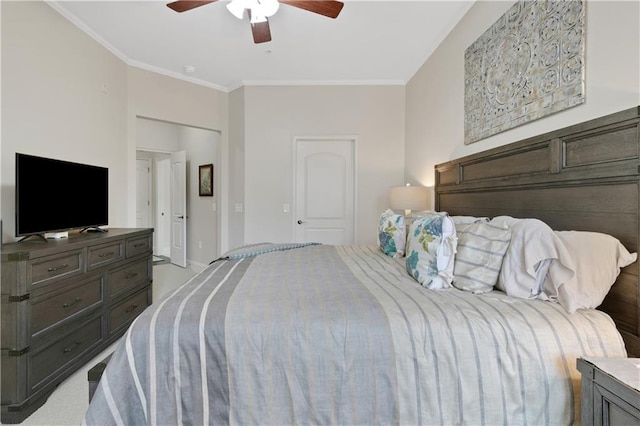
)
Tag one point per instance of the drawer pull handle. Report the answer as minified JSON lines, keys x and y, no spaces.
{"x":111,"y":253}
{"x":131,"y":275}
{"x":56,"y":268}
{"x":66,"y":305}
{"x":72,"y":347}
{"x":130,"y":308}
{"x":139,"y":245}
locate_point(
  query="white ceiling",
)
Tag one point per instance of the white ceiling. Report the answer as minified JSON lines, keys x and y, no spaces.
{"x":371,"y":42}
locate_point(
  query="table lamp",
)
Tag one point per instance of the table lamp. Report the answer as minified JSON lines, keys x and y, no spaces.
{"x":409,"y":198}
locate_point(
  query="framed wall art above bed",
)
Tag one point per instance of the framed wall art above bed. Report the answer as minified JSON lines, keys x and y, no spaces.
{"x":527,"y":65}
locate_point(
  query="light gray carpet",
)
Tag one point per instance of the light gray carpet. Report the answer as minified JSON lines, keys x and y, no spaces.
{"x":159,"y":260}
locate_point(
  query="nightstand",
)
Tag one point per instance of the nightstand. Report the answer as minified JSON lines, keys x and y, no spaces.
{"x":610,"y":391}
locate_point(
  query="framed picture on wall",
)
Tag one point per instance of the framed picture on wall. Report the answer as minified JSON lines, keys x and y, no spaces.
{"x":205,"y":179}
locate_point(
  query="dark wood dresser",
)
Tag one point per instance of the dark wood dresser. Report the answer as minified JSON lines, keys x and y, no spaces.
{"x":63,"y":302}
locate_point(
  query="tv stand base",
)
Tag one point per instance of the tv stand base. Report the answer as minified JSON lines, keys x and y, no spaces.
{"x":94,"y":229}
{"x":40,"y":236}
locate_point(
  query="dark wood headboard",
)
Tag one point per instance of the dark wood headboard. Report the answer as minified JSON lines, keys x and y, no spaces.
{"x":584,"y":177}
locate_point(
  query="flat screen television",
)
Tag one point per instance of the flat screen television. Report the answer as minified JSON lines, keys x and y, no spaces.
{"x":54,"y":195}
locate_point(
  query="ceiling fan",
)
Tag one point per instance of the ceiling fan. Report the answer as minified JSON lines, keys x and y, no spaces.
{"x":260,"y":10}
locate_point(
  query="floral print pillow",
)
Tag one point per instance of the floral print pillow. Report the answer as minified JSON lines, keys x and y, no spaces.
{"x":392,"y":234}
{"x":431,"y":249}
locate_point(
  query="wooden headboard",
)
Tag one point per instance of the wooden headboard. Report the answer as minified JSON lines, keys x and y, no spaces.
{"x":584,"y":177}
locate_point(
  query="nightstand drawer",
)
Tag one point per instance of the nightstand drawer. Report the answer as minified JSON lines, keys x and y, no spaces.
{"x":129,"y":277}
{"x":138,"y":245}
{"x":610,"y":409}
{"x":51,"y":268}
{"x":104,"y":254}
{"x":610,"y":391}
{"x":46,"y":311}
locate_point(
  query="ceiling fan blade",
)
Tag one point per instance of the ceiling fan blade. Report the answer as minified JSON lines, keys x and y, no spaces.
{"x":261,"y":31}
{"x":184,"y":5}
{"x":327,"y":8}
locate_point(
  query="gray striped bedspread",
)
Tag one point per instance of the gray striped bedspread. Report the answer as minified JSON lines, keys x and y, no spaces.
{"x":342,"y":335}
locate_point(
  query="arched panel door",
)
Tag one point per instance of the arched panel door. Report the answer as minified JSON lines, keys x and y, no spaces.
{"x":325,"y":191}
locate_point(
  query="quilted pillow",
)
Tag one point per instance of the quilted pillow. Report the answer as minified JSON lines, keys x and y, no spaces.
{"x":597,"y":258}
{"x":431,"y":249}
{"x":480,"y":250}
{"x":392,"y":234}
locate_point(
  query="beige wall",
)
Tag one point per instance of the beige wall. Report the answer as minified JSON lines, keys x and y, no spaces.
{"x":435,"y":95}
{"x":63,"y":96}
{"x":236,"y":166}
{"x":201,"y":147}
{"x":274,"y":115}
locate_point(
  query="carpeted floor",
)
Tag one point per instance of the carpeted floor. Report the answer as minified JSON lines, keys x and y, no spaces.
{"x":160,"y":260}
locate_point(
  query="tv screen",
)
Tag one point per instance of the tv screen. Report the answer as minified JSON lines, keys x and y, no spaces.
{"x":55,"y":195}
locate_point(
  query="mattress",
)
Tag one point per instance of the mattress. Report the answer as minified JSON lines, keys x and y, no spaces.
{"x":343,"y":335}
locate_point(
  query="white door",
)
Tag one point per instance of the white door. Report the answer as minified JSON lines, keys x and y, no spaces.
{"x":179,"y":208}
{"x":325,"y":191}
{"x":143,"y":193}
{"x":161,"y":235}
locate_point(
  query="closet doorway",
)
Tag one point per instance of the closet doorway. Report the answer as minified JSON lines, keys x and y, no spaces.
{"x":153,"y":202}
{"x":195,"y":221}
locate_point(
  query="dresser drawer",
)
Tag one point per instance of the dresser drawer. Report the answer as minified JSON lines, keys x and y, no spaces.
{"x":51,"y":268}
{"x":105,"y":254}
{"x":129,"y":277}
{"x":46,"y":311}
{"x":138,"y":245}
{"x":64,"y":350}
{"x":125,"y":311}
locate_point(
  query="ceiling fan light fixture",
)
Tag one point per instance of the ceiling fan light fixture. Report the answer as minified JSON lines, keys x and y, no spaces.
{"x":237,"y":7}
{"x":260,"y":9}
{"x":257,"y":18}
{"x":268,"y":7}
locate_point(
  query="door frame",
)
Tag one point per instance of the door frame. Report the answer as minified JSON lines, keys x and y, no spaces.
{"x":153,"y":179}
{"x":179,"y":254}
{"x":163,"y":230}
{"x":148,"y":216}
{"x":354,"y":140}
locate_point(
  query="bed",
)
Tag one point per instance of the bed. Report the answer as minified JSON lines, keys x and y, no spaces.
{"x":319,"y":334}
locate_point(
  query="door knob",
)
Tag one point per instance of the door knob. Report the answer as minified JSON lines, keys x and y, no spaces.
{"x":180,"y":217}
{"x":300,"y":222}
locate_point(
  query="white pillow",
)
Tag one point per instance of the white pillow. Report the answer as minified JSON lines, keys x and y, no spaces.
{"x":480,"y":250}
{"x":392,"y":233}
{"x":597,"y":258}
{"x":431,"y":248}
{"x":532,"y":242}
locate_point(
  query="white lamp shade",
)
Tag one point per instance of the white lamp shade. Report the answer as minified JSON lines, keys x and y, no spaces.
{"x":409,"y":198}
